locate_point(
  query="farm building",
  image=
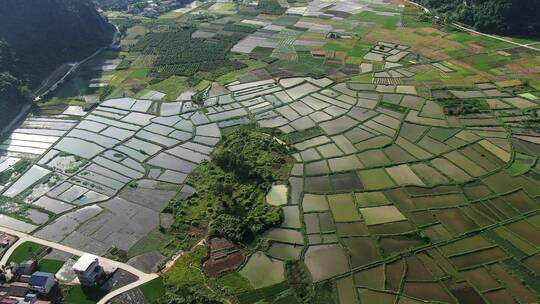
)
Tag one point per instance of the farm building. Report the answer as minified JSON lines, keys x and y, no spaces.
{"x":88,"y":269}
{"x":42,"y":282}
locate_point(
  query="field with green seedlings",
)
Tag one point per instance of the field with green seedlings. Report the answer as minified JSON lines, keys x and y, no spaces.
{"x":293,"y":152}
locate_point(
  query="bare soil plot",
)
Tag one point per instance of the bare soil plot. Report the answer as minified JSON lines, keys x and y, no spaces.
{"x":325,"y":261}
{"x":381,"y":215}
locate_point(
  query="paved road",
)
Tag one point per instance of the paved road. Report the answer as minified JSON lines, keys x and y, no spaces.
{"x":107,"y":263}
{"x":471,"y":30}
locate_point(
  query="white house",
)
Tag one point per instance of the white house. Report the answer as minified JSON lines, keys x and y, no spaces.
{"x":88,"y":269}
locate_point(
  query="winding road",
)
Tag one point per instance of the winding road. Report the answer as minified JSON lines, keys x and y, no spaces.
{"x":107,"y":263}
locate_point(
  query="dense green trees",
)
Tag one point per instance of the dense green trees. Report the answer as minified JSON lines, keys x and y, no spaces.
{"x":36,"y":37}
{"x":116,"y":5}
{"x":514,"y":17}
{"x":187,"y":294}
{"x":44,"y":34}
{"x":231,"y":189}
{"x":180,"y":54}
{"x":270,"y":7}
{"x":13,"y":93}
{"x":251,"y":155}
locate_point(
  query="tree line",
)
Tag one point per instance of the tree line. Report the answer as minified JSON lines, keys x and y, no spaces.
{"x":507,"y":17}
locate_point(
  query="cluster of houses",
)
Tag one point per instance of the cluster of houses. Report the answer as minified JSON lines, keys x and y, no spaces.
{"x":25,"y":285}
{"x":153,"y":9}
{"x":6,"y":240}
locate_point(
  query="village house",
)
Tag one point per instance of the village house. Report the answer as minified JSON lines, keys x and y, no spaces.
{"x":28,"y":299}
{"x":42,"y":282}
{"x":87,"y":269}
{"x":26,"y":268}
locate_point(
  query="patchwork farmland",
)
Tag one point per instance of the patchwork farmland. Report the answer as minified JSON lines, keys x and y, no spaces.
{"x":406,"y":168}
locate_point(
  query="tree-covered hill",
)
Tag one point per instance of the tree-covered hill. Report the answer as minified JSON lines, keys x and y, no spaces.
{"x":37,"y":36}
{"x":13,"y":93}
{"x":43,"y":34}
{"x":512,"y":17}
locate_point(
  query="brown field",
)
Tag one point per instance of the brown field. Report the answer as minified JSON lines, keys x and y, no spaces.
{"x":137,"y":30}
{"x":521,"y":201}
{"x":391,"y":228}
{"x":371,"y":296}
{"x":214,"y":266}
{"x":513,"y":285}
{"x":508,"y":83}
{"x":144,"y":61}
{"x":371,"y":278}
{"x":527,"y":231}
{"x":219,"y":243}
{"x":312,"y":36}
{"x":427,"y":291}
{"x":499,"y":296}
{"x":128,"y":42}
{"x":480,"y":278}
{"x":352,"y":229}
{"x":478,"y":257}
{"x":362,"y":250}
{"x":464,"y":293}
{"x":417,"y":271}
{"x":533,"y":262}
{"x":454,"y":220}
{"x":437,"y":233}
{"x":224,"y":256}
{"x":431,"y":265}
{"x":394,"y":274}
{"x":420,"y":44}
{"x":393,"y":245}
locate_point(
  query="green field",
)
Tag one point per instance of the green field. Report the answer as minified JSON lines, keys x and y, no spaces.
{"x":79,"y":295}
{"x":52,"y":266}
{"x":153,"y":241}
{"x":26,"y":251}
{"x":153,"y":290}
{"x":387,"y":22}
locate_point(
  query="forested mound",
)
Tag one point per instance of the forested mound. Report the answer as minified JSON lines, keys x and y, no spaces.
{"x":510,"y":17}
{"x":38,"y":36}
{"x":231,"y":188}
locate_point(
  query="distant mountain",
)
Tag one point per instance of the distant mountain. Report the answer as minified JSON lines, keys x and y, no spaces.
{"x":37,"y":36}
{"x":511,"y":17}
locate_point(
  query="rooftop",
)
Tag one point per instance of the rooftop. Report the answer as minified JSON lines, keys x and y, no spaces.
{"x":40,"y":278}
{"x":84,"y":262}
